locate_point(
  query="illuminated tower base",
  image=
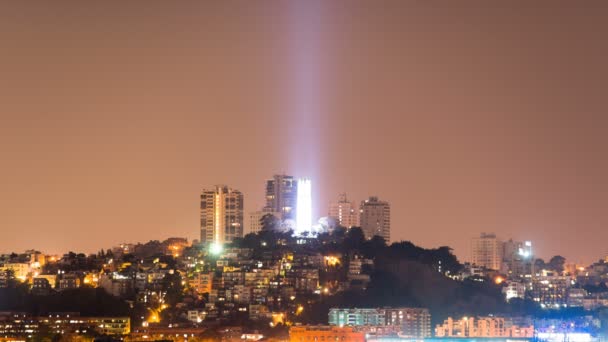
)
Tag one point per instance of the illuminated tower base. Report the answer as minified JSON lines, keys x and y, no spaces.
{"x":304,"y":207}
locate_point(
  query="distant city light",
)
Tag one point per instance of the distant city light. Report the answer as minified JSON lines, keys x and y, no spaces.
{"x":304,"y":207}
{"x":559,"y":337}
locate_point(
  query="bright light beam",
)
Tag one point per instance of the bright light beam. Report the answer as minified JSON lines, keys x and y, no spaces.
{"x":304,"y":207}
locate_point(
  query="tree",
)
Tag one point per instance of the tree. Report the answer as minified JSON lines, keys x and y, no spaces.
{"x":9,"y":275}
{"x":269,"y":222}
{"x":172,"y":285}
{"x":353,"y":240}
{"x":557,"y":263}
{"x":539,"y":264}
{"x":373,"y":247}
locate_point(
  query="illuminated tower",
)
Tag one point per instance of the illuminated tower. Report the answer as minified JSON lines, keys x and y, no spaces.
{"x":344,"y":212}
{"x":376,"y":218}
{"x":221,"y":214}
{"x":304,"y":206}
{"x":281,"y":196}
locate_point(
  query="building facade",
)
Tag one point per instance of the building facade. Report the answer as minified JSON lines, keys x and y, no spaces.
{"x":375,"y":218}
{"x":518,"y":259}
{"x":356,"y":317}
{"x":255,"y":220}
{"x":409,"y":322}
{"x":550,"y":289}
{"x":221,"y":214}
{"x":325,"y":333}
{"x":484,"y":327}
{"x":414,"y":322}
{"x":281,"y":196}
{"x":344,"y":212}
{"x":487,"y":251}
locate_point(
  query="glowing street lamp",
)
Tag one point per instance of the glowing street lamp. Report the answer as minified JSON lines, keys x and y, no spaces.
{"x":216,"y":248}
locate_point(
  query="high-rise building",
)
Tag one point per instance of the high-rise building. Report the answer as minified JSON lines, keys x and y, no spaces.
{"x":255,"y":219}
{"x":344,"y":212}
{"x":304,"y":207}
{"x":375,"y":218}
{"x":518,"y":259}
{"x":221,"y":214}
{"x":487,"y":251}
{"x":281,"y":195}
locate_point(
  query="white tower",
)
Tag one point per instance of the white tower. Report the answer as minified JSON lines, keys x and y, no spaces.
{"x":304,"y":207}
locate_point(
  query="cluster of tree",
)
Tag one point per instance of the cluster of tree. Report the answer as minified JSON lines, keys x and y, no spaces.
{"x":347,"y":243}
{"x":400,"y":281}
{"x":556,"y":264}
{"x":76,"y":262}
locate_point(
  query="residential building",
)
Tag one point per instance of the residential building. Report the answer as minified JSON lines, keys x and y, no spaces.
{"x":514,"y":289}
{"x":356,"y":317}
{"x":41,"y":287}
{"x":487,"y":251}
{"x":221,"y":214}
{"x":576,"y":297}
{"x":20,"y":270}
{"x":202,"y":282}
{"x":518,"y":259}
{"x":69,"y":281}
{"x":255,"y":219}
{"x":483,"y":327}
{"x":375,"y":218}
{"x":24,"y":326}
{"x":413,"y":322}
{"x":344,"y":212}
{"x":325,"y":333}
{"x":550,"y":289}
{"x":410,"y":322}
{"x":281,"y":196}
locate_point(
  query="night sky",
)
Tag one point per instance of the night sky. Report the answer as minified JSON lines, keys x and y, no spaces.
{"x":467,"y":117}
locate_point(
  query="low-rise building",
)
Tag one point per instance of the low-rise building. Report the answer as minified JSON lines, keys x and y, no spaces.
{"x":69,"y":281}
{"x":356,"y":317}
{"x":410,"y":322}
{"x":483,"y":327}
{"x":550,"y":290}
{"x":514,"y":289}
{"x":24,"y":326}
{"x":202,"y":282}
{"x":325,"y":333}
{"x":20,"y":270}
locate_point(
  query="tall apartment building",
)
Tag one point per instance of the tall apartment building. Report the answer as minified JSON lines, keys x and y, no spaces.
{"x":221,"y":214}
{"x":375,"y":218}
{"x":344,"y":212}
{"x":281,"y":195}
{"x":487,"y":251}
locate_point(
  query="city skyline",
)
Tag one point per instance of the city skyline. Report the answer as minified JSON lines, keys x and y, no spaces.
{"x":462,"y":120}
